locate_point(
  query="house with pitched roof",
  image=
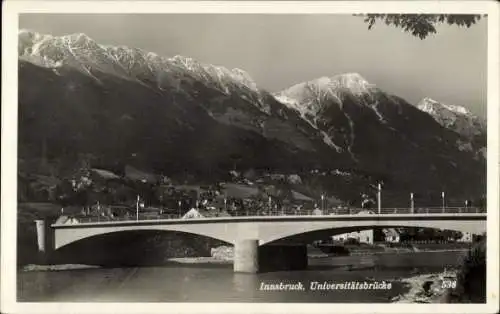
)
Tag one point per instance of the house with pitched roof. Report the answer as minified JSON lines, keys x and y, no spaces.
{"x":211,"y":212}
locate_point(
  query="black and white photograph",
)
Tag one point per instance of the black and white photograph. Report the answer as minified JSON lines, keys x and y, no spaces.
{"x":247,"y":158}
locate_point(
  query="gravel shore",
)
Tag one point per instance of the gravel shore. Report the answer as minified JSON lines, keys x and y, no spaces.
{"x":427,"y":288}
{"x":33,"y":267}
{"x":199,"y":260}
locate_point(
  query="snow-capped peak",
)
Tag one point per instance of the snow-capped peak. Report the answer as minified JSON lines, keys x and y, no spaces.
{"x":354,"y":82}
{"x":456,"y":118}
{"x":432,"y":106}
{"x":80,"y":51}
{"x":245,"y":78}
{"x":220,"y":74}
{"x":187,"y":62}
{"x":312,"y":98}
{"x":78,"y":37}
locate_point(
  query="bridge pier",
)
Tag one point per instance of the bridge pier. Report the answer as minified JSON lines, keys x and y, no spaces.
{"x":246,"y":256}
{"x":45,"y":239}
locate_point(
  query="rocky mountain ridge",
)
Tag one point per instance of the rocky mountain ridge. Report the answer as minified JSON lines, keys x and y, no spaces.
{"x":176,"y":114}
{"x":459,"y":119}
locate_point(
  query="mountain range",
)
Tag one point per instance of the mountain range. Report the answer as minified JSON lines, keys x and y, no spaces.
{"x":120,"y":105}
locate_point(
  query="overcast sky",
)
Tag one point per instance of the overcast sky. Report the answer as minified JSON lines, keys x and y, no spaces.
{"x":281,"y":50}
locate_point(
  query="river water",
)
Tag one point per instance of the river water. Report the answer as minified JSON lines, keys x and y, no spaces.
{"x":207,"y":282}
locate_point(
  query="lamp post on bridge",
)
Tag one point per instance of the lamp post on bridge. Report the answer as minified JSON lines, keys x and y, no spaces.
{"x":442,"y":199}
{"x":270,"y":205}
{"x":137,"y":208}
{"x":379,"y":198}
{"x":412,"y":203}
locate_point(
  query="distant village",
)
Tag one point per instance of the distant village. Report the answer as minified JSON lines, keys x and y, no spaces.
{"x":102,"y":195}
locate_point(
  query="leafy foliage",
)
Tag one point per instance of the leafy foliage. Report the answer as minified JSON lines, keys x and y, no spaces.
{"x":471,"y":280}
{"x":421,"y":25}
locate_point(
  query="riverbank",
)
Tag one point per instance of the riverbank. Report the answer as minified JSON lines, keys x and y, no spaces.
{"x":199,"y":260}
{"x":35,"y":267}
{"x":427,"y":288}
{"x":223,"y":255}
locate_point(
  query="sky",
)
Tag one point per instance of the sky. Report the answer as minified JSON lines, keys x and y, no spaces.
{"x":279,"y":51}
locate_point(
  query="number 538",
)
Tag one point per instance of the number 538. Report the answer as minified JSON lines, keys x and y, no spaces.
{"x":447,"y":284}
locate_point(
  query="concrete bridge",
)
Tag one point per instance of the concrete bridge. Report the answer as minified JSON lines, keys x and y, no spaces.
{"x":247,"y":234}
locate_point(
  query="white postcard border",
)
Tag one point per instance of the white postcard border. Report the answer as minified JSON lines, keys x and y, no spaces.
{"x":10,"y":12}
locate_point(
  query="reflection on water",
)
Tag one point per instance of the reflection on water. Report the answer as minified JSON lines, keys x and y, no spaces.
{"x":245,"y":282}
{"x":167,"y":284}
{"x":218,"y":283}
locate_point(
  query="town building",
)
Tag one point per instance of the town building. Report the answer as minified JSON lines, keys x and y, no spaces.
{"x":66,"y":220}
{"x":391,"y":235}
{"x":466,"y":237}
{"x":363,"y":236}
{"x":210,"y":212}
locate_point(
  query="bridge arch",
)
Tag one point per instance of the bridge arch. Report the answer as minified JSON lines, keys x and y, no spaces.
{"x":70,"y":234}
{"x":134,"y":247}
{"x":142,"y":233}
{"x":314,"y":230}
{"x":321,"y":234}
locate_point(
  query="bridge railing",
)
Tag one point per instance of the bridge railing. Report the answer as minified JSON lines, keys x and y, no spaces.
{"x":103,"y":219}
{"x":448,"y":210}
{"x":356,"y":211}
{"x":303,"y":212}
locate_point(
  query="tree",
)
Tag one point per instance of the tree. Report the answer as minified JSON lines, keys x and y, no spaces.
{"x":421,"y":25}
{"x":471,"y":278}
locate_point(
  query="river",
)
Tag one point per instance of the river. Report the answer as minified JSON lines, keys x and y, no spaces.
{"x":209,"y":282}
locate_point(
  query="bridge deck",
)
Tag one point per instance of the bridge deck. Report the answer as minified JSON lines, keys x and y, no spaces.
{"x":278,"y":218}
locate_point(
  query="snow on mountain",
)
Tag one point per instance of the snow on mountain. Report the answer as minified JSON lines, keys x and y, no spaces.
{"x":220,"y":75}
{"x":80,"y":51}
{"x":228,"y":96}
{"x":432,"y":107}
{"x":454,"y":117}
{"x":341,"y":121}
{"x":311,"y":93}
{"x":75,"y":50}
{"x":313,"y":98}
{"x":471,"y":128}
{"x":179,"y":73}
{"x":354,"y":116}
{"x":353,"y":82}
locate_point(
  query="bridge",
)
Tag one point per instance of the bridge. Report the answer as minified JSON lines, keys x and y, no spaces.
{"x":248,"y":233}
